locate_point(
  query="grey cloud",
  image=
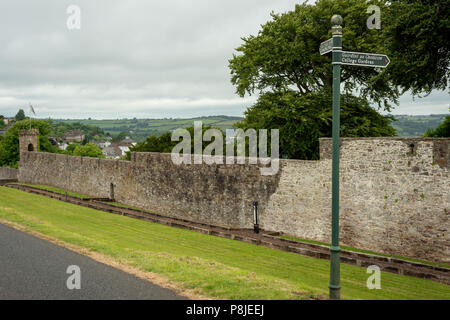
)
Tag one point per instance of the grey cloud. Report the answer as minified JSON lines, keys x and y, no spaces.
{"x":130,"y":58}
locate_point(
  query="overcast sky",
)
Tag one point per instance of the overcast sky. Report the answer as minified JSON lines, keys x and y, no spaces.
{"x":134,"y":58}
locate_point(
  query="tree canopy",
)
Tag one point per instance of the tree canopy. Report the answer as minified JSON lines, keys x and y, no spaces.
{"x":285,"y":53}
{"x":9,"y":144}
{"x":91,"y":132}
{"x":302,"y":120}
{"x":283,"y":66}
{"x":416,"y":37}
{"x":165,"y":144}
{"x":20,"y":115}
{"x":88,"y":150}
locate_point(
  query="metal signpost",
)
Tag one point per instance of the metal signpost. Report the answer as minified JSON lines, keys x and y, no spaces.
{"x":326,"y":46}
{"x":365,"y":59}
{"x":340,"y":57}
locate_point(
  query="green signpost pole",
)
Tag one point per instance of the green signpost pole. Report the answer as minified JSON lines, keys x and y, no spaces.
{"x":335,"y":284}
{"x":340,"y":57}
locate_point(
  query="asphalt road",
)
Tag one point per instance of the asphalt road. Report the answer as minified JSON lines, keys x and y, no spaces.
{"x":32,"y":268}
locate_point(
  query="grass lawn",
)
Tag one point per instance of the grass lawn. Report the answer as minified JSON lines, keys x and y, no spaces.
{"x":212,"y":266}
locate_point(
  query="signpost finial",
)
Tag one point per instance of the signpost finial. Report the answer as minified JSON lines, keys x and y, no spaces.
{"x":336,"y":20}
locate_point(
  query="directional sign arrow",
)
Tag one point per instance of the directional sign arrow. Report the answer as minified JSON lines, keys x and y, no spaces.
{"x":326,"y":46}
{"x":365,"y":59}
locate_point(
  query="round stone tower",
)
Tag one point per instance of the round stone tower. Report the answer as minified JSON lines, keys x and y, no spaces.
{"x":28,"y":140}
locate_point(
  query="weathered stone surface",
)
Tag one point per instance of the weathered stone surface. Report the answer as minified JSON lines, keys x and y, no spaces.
{"x":28,"y":140}
{"x":386,"y":206}
{"x":8,"y":173}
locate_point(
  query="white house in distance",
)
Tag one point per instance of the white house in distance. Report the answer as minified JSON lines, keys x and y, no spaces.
{"x":115,"y":150}
{"x":103,"y":144}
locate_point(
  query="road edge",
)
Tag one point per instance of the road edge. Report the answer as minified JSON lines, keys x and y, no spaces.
{"x":151,"y":277}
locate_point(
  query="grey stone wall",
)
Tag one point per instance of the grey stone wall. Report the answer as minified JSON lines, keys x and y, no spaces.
{"x":395,"y":195}
{"x":8,"y":173}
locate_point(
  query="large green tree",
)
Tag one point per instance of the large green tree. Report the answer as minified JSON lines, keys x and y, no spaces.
{"x":165,"y":144}
{"x":416,"y":37}
{"x":285,"y":53}
{"x":302,"y":120}
{"x":20,"y":115}
{"x":282,"y":64}
{"x":88,"y":150}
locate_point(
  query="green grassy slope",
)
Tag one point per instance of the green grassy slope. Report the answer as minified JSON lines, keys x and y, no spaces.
{"x":213,"y":266}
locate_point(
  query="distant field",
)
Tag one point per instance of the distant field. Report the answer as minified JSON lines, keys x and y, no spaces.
{"x":142,"y":128}
{"x":415,"y":126}
{"x":406,"y":125}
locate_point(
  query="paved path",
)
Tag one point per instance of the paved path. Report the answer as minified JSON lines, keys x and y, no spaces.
{"x":32,"y":268}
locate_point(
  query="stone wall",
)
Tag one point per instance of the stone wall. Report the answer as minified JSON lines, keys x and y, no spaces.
{"x":395,"y":195}
{"x":28,"y":140}
{"x":8,"y":173}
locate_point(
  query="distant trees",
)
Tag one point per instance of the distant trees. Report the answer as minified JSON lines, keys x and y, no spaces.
{"x":302,"y":120}
{"x":91,"y":132}
{"x":155,"y":143}
{"x":441,"y":131}
{"x":164,"y":142}
{"x":20,"y":115}
{"x":88,"y":150}
{"x":121,"y":136}
{"x":71,"y":148}
{"x":9,"y":144}
{"x":415,"y":34}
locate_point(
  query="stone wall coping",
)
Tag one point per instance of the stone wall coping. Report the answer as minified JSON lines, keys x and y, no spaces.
{"x":30,"y":132}
{"x":165,"y":154}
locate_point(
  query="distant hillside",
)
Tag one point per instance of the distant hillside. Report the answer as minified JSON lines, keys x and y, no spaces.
{"x":414,"y":126}
{"x":139,"y":129}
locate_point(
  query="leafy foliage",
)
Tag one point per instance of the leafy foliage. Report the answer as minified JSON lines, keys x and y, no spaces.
{"x":88,"y":150}
{"x":165,"y":144}
{"x":20,"y":115}
{"x":416,"y":33}
{"x":121,"y":136}
{"x":9,"y":144}
{"x":303,"y":119}
{"x":71,"y":148}
{"x":90,"y":132}
{"x":441,"y":131}
{"x":140,"y":129}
